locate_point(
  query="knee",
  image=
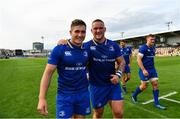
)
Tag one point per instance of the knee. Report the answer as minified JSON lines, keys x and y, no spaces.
{"x":98,"y":114}
{"x":143,"y":86}
{"x":155,"y":86}
{"x":118,"y":114}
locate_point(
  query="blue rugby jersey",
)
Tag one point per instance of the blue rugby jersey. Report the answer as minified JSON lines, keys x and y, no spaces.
{"x":126,"y":52}
{"x":148,"y":54}
{"x":102,"y":61}
{"x":71,"y":64}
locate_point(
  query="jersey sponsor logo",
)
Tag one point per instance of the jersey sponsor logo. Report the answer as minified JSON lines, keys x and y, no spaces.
{"x":103,"y":60}
{"x":93,"y":47}
{"x":75,"y":68}
{"x":149,"y":50}
{"x":68,"y":53}
{"x":111,"y":48}
{"x":85,"y":54}
{"x":62,"y":114}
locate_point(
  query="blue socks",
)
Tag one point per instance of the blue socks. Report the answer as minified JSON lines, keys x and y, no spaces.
{"x":156,"y":95}
{"x":138,"y":90}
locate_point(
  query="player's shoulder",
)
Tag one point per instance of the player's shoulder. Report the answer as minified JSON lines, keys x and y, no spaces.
{"x":111,"y":42}
{"x":59,"y":48}
{"x":143,"y":46}
{"x":87,"y":44}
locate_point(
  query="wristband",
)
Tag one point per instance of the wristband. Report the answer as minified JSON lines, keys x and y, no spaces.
{"x":119,"y":73}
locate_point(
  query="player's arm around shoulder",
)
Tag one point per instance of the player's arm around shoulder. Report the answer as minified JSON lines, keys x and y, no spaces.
{"x":45,"y":81}
{"x":62,"y":42}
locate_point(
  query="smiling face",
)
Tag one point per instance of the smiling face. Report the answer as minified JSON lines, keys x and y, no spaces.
{"x":78,"y":34}
{"x":98,"y":30}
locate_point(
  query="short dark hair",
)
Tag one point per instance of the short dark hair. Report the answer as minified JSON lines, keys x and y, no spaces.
{"x":150,"y":35}
{"x":97,"y":20}
{"x":77,"y":22}
{"x":123,"y":40}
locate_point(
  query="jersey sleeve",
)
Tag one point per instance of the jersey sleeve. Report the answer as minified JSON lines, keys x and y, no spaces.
{"x":142,"y":51}
{"x":117,"y":50}
{"x":56,"y":55}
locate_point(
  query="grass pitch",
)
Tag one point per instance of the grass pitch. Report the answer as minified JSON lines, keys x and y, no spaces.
{"x":20,"y":79}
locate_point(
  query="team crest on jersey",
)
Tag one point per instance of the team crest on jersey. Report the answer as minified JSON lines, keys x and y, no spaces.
{"x":61,"y":113}
{"x":93,"y":47}
{"x":85,"y":54}
{"x":111,"y":48}
{"x":128,"y":49}
{"x":68,"y":53}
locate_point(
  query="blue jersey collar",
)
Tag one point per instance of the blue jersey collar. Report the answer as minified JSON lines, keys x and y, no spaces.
{"x":74,"y":46}
{"x":96,"y":43}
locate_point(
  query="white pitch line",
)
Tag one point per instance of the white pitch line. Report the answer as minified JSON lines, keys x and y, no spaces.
{"x":164,"y":96}
{"x":146,"y":110}
{"x":171,"y":100}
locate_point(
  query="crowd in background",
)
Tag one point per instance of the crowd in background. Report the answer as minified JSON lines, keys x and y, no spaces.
{"x":164,"y":51}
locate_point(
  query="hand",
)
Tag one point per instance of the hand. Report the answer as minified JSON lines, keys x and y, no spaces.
{"x":42,"y":107}
{"x":145,"y":72}
{"x":115,"y":79}
{"x":129,"y":65}
{"x":62,"y":42}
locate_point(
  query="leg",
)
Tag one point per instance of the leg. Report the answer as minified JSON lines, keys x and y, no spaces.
{"x":155,"y":91}
{"x":124,"y":78}
{"x":156,"y":94}
{"x":76,"y":116}
{"x":64,"y":106}
{"x":98,"y":113}
{"x":82,"y":105}
{"x":128,"y":77}
{"x":116,"y":101}
{"x":117,"y":108}
{"x":139,"y":89}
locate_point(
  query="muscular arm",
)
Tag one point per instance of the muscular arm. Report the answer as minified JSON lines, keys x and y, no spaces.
{"x":120,"y":63}
{"x":45,"y":81}
{"x":140,"y":63}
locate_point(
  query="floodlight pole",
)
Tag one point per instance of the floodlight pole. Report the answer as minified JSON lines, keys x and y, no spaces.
{"x":122,"y":34}
{"x":168,"y":24}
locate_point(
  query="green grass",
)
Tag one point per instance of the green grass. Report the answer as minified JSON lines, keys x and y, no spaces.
{"x":20,"y":79}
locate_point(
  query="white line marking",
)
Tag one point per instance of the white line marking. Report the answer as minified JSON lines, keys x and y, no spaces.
{"x":164,"y":96}
{"x":146,"y":110}
{"x":171,"y":100}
